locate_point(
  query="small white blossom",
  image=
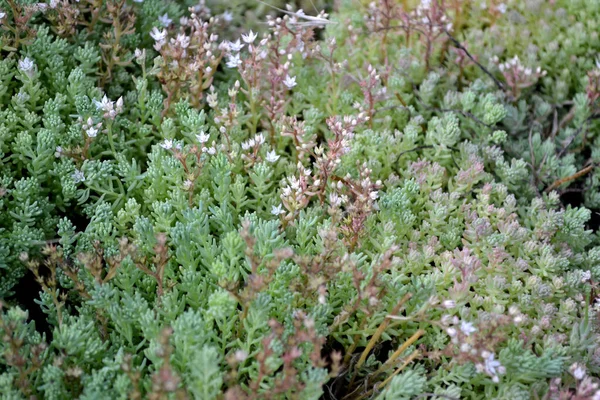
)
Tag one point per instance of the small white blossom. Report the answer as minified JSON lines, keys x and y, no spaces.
{"x":277,"y":210}
{"x":58,"y":152}
{"x":183,"y":40}
{"x":78,"y":176}
{"x":26,"y":65}
{"x":2,"y":15}
{"x":250,"y":37}
{"x":501,"y":8}
{"x":236,"y":46}
{"x":187,"y":184}
{"x":165,"y":20}
{"x":467,"y":328}
{"x":586,"y":276}
{"x":448,"y":304}
{"x":138,"y":1}
{"x":492,"y":366}
{"x":92,"y":132}
{"x":579,"y":373}
{"x":105,"y":104}
{"x":209,"y":150}
{"x":167,"y":144}
{"x":203,"y":137}
{"x":272,"y":156}
{"x":290,"y":82}
{"x":158,"y":35}
{"x":240,"y":356}
{"x":110,"y":111}
{"x":227,"y":16}
{"x":233,"y":61}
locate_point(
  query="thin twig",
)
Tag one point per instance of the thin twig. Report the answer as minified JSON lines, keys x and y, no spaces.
{"x":485,"y":70}
{"x":576,"y":175}
{"x":577,"y":132}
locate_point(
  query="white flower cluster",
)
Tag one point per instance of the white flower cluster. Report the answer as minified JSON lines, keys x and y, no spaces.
{"x":515,"y":65}
{"x":91,"y":129}
{"x":233,"y":59}
{"x":256,"y":141}
{"x":111,"y":109}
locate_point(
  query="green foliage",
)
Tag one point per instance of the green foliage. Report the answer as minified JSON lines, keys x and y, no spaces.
{"x":349,"y":206}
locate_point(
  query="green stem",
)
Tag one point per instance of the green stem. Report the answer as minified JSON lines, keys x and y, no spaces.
{"x":111,"y":141}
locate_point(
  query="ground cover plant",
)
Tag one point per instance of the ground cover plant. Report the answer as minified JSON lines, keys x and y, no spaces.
{"x":320,"y":200}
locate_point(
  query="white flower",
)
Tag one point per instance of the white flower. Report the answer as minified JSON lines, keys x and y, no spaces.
{"x":234,"y":61}
{"x":277,"y":210}
{"x":78,"y":176}
{"x":228,"y":16}
{"x":58,"y":152}
{"x":209,"y":150}
{"x":578,"y":371}
{"x":501,"y":7}
{"x":183,"y":40}
{"x":26,"y":64}
{"x":236,"y":46}
{"x":586,"y":276}
{"x":138,"y":1}
{"x":105,"y":104}
{"x":187,"y":184}
{"x":467,"y":328}
{"x":240,"y":356}
{"x":250,"y":37}
{"x":165,"y":20}
{"x":272,"y":156}
{"x":334,"y":199}
{"x":91,"y":132}
{"x":2,"y":15}
{"x":290,"y":82}
{"x":449,"y":304}
{"x":203,"y":137}
{"x":167,"y":144}
{"x":158,"y":35}
{"x":119,"y":105}
{"x":492,"y":366}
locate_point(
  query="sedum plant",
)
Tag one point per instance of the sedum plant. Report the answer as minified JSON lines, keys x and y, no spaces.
{"x":355,"y":205}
